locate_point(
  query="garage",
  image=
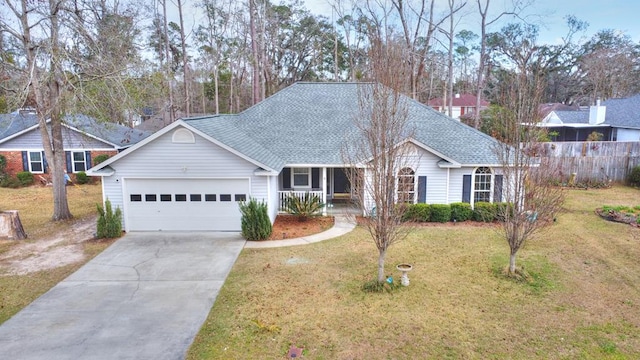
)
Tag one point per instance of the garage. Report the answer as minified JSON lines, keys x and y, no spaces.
{"x":184,"y":204}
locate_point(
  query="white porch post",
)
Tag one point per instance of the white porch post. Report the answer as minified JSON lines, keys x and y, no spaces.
{"x":324,"y":190}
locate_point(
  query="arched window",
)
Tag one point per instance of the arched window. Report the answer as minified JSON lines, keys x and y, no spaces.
{"x":183,"y":136}
{"x":482,"y":185}
{"x":406,"y":185}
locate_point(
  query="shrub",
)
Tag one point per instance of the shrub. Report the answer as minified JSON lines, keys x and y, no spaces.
{"x":255,"y":222}
{"x":10,"y":182}
{"x":634,"y":176}
{"x":484,"y":211}
{"x":100,"y":158}
{"x":25,"y":178}
{"x":303,"y":207}
{"x":109,"y":223}
{"x":3,"y":165}
{"x":503,"y":208}
{"x":417,"y":212}
{"x":82,"y":178}
{"x":440,"y":213}
{"x":461,"y":211}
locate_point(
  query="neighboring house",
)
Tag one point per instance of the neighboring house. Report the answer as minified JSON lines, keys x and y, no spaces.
{"x":615,"y":119}
{"x":191,"y":174}
{"x":462,"y":104}
{"x":84,"y":138}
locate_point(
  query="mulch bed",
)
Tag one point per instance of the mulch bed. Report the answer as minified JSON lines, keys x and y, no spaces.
{"x":617,"y":216}
{"x":289,"y":227}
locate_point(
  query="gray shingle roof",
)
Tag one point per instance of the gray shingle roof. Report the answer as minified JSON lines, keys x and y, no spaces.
{"x":624,"y":113}
{"x":307,"y":123}
{"x":121,"y":136}
{"x":573,"y":117}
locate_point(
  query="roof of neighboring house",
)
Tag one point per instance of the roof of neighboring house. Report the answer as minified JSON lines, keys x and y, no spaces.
{"x":461,"y":100}
{"x":623,"y":113}
{"x":120,"y":136}
{"x":545,"y":109}
{"x":309,"y":123}
{"x":573,"y":117}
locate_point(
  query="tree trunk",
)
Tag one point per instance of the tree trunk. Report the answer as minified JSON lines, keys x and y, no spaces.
{"x":11,"y":226}
{"x":512,"y":263}
{"x":255,"y":53}
{"x":185,"y":63}
{"x":381,"y":276}
{"x":168,"y":63}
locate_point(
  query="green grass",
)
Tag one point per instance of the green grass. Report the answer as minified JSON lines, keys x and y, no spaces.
{"x":35,"y":206}
{"x":579,"y":300}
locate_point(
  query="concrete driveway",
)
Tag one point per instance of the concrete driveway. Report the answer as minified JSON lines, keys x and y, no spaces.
{"x":145,"y":297}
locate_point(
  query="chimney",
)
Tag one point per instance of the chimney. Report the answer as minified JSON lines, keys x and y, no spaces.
{"x":597,"y":114}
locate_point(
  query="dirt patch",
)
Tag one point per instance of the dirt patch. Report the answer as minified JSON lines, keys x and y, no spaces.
{"x":59,"y":249}
{"x":288,"y":227}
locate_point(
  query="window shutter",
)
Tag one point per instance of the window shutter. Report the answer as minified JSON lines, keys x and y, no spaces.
{"x":315,"y":178}
{"x":422,"y":189}
{"x":25,"y":161}
{"x":45,"y":166}
{"x":466,"y":188}
{"x":69,"y":164}
{"x":286,"y":178}
{"x":87,"y":157}
{"x":497,"y":188}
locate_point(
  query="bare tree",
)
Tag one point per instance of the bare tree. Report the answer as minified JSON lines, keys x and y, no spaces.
{"x":378,"y":147}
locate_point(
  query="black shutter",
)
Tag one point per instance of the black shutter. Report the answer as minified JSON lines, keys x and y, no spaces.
{"x":497,"y":188}
{"x":45,"y":166}
{"x":25,"y":161}
{"x":422,"y":189}
{"x":69,"y":164}
{"x":87,"y":156}
{"x":286,"y":178}
{"x":315,"y":178}
{"x":466,"y":188}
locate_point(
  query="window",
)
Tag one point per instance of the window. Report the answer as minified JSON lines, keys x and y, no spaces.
{"x":406,"y":185}
{"x":36,"y":163}
{"x":482,"y":185}
{"x":195,"y":197}
{"x":210,"y":197}
{"x":301,"y":177}
{"x":240,"y":197}
{"x":225,"y":197}
{"x":181,"y":197}
{"x":136,"y":197}
{"x":78,"y":161}
{"x":165,"y":197}
{"x":150,"y":197}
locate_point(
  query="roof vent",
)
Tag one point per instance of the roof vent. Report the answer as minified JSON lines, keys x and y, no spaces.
{"x":183,"y":136}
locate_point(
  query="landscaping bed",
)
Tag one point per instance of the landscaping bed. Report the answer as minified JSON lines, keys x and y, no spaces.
{"x":289,"y":227}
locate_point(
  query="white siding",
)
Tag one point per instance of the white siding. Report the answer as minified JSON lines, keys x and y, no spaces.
{"x":628,"y":135}
{"x":71,"y":140}
{"x":273,"y":200}
{"x":162,"y":158}
{"x":455,"y":183}
{"x":436,"y":177}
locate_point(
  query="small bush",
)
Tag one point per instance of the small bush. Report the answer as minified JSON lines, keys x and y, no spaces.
{"x":484,"y":211}
{"x":634,"y":176}
{"x":100,"y":158}
{"x":109,"y":222}
{"x":503,"y":209}
{"x":440,"y":213}
{"x":461,"y":211}
{"x":82,"y":178}
{"x":417,"y":212}
{"x":10,"y":182}
{"x":255,"y":222}
{"x":303,"y":207}
{"x":3,"y":166}
{"x":25,"y":178}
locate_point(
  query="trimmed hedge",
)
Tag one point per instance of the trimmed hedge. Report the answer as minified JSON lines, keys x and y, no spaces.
{"x":461,"y":211}
{"x":502,"y":208}
{"x":417,"y":212}
{"x":440,"y":213}
{"x":100,"y":158}
{"x":25,"y":178}
{"x":82,"y":178}
{"x":484,"y":212}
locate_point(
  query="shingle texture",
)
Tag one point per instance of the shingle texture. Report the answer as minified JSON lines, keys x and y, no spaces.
{"x":623,"y":113}
{"x":121,"y":136}
{"x":573,"y":117}
{"x":309,"y":123}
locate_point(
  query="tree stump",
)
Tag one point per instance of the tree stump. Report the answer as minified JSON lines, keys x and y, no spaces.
{"x":11,"y":226}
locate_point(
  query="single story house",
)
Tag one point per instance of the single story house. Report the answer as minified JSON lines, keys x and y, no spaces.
{"x":84,"y":138}
{"x":191,"y":174}
{"x":614,"y":119}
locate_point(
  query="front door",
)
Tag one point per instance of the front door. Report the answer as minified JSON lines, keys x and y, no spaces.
{"x":341,"y":183}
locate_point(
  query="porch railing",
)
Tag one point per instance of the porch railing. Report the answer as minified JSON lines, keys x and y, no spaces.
{"x":282,"y":195}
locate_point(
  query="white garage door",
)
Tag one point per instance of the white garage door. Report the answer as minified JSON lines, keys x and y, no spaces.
{"x":184,"y":205}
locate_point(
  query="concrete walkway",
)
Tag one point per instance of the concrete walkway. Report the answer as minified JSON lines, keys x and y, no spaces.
{"x":145,"y":297}
{"x":343,"y":224}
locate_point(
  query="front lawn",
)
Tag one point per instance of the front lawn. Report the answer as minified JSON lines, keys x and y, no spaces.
{"x":582,"y":299}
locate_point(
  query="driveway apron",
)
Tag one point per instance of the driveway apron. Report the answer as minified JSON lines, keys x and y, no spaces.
{"x":144,"y":297}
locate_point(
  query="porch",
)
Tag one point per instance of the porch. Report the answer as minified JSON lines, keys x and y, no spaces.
{"x":331,"y":185}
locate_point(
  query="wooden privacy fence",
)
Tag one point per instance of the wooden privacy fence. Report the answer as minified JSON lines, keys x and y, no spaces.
{"x":592,"y":161}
